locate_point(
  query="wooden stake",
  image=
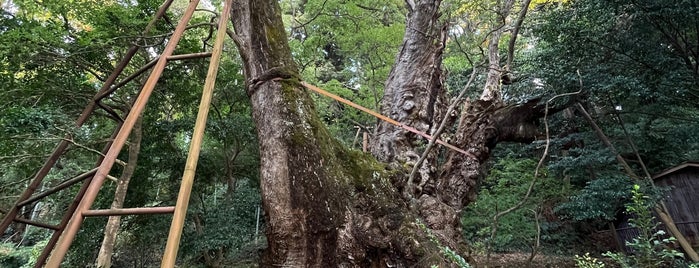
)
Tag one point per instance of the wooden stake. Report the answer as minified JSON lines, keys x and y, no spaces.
{"x":173,"y":239}
{"x":365,"y":142}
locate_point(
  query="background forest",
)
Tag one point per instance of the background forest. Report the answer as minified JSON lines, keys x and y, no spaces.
{"x":631,"y":64}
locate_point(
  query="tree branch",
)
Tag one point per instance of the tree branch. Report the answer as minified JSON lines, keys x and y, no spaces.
{"x":515,"y":33}
{"x":521,"y":202}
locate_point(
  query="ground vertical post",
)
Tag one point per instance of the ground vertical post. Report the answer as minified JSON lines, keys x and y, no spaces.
{"x":175,"y":234}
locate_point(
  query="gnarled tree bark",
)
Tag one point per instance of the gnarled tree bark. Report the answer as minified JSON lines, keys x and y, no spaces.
{"x":327,"y":206}
{"x":324,"y":205}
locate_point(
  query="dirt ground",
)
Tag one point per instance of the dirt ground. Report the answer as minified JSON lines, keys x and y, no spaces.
{"x":520,"y":260}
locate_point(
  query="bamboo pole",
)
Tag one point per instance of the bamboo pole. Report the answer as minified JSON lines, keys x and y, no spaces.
{"x":175,"y":234}
{"x":106,"y":165}
{"x":147,"y":66}
{"x":37,"y":224}
{"x":59,"y":187}
{"x":385,"y":118}
{"x":128,"y":211}
{"x":365,"y":142}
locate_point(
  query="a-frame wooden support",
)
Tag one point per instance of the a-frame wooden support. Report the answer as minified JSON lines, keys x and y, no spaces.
{"x":64,"y":233}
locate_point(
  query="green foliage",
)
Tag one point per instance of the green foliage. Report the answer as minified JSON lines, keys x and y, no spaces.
{"x":448,"y":253}
{"x":30,"y":120}
{"x":22,"y":257}
{"x":455,"y":257}
{"x":586,"y":261}
{"x":26,"y":130}
{"x":636,"y":83}
{"x":224,"y":224}
{"x":599,"y":199}
{"x":652,"y":247}
{"x":504,"y":187}
{"x":10,"y":256}
{"x":629,"y":65}
{"x":347,"y":48}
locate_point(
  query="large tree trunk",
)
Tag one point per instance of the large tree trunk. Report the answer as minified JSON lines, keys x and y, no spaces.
{"x":478,"y":128}
{"x":327,"y":206}
{"x":296,"y":179}
{"x":414,"y":96}
{"x":324,"y":206}
{"x":477,"y":132}
{"x":104,"y":259}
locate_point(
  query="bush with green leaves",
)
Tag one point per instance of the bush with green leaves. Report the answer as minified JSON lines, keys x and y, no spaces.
{"x":224,"y":226}
{"x":20,"y":256}
{"x":599,"y":199}
{"x":587,"y":261}
{"x":11,"y":256}
{"x":504,"y":187}
{"x":652,"y":248}
{"x":447,"y":252}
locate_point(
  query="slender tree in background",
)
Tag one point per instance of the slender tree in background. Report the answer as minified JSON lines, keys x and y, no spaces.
{"x":104,"y":259}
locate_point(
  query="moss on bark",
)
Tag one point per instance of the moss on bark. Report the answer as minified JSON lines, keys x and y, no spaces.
{"x":325,"y":205}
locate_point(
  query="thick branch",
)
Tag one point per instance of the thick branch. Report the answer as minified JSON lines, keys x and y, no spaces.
{"x":515,"y":33}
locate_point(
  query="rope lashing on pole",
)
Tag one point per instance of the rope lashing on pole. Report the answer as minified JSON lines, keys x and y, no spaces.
{"x":384,"y":118}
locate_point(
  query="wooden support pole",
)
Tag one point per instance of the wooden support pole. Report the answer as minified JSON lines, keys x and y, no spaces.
{"x":365,"y":142}
{"x":175,"y":234}
{"x":37,"y":224}
{"x":617,"y":239}
{"x":385,"y":118}
{"x":59,"y":187}
{"x":356,"y":136}
{"x":189,"y":56}
{"x":128,"y":211}
{"x":148,"y":65}
{"x":76,"y":220}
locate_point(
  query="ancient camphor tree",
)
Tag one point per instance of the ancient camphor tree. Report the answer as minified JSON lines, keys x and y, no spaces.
{"x":327,"y":205}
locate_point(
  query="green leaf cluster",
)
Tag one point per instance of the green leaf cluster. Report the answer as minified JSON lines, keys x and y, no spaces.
{"x":347,"y":48}
{"x":224,"y":226}
{"x":632,"y":66}
{"x":638,"y":82}
{"x":652,"y":247}
{"x":599,"y":199}
{"x":505,"y":186}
